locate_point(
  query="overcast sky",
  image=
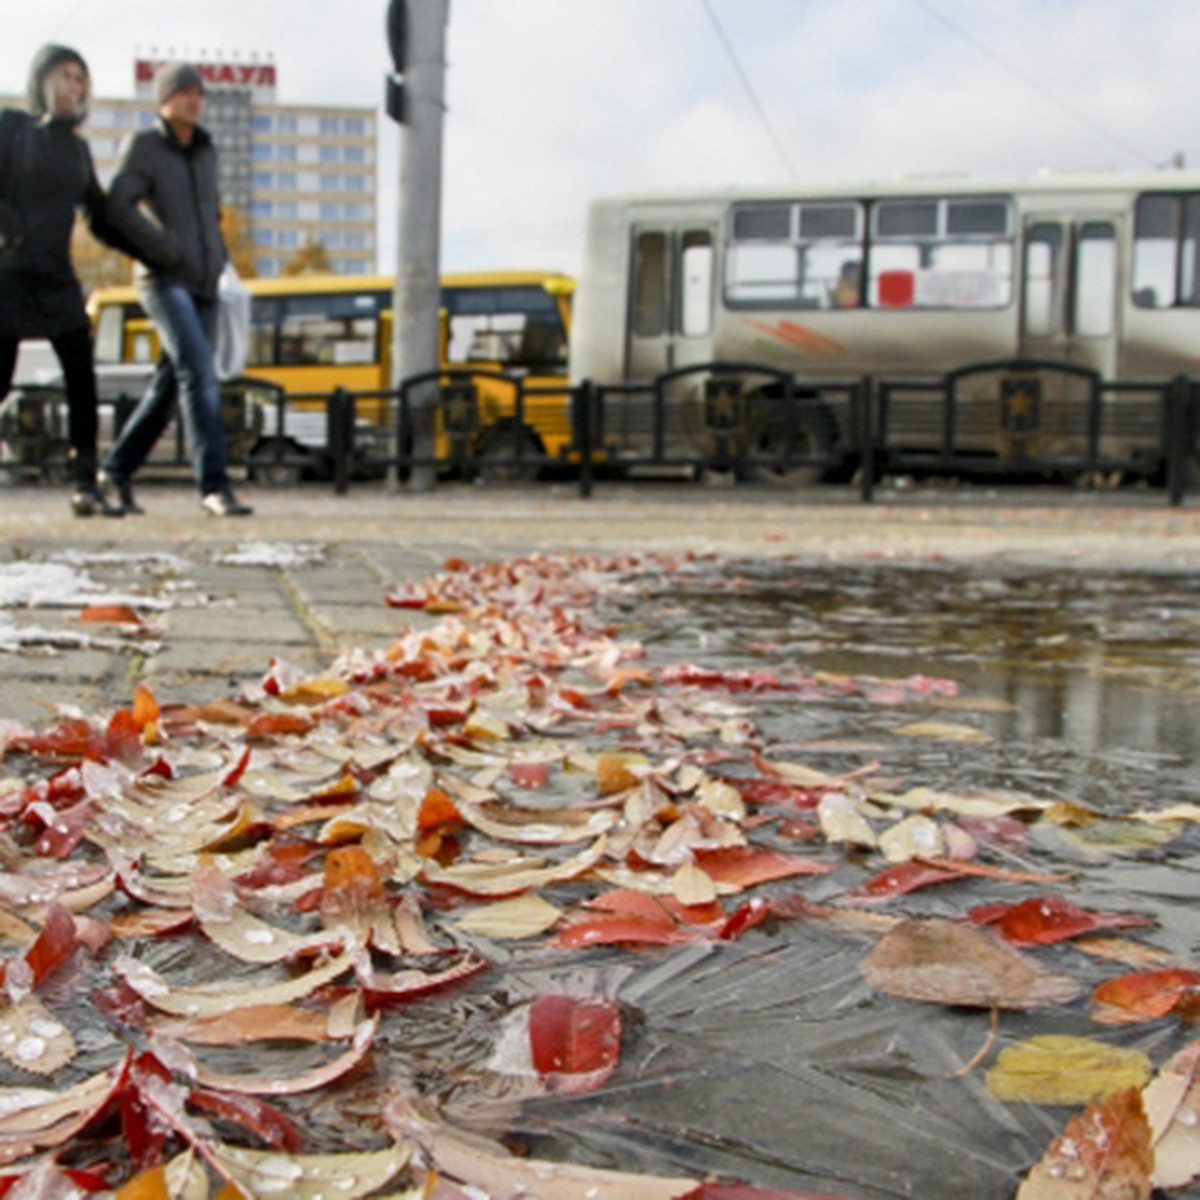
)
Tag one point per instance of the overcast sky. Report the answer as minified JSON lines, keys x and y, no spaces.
{"x":553,"y":102}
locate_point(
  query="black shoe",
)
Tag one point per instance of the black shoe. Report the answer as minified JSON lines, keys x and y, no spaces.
{"x":88,"y":500}
{"x":225,"y":504}
{"x":117,"y":490}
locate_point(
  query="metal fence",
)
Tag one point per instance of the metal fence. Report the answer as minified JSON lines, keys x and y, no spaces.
{"x":1012,"y":417}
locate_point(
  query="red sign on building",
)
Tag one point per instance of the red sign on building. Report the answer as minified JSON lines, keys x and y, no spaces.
{"x":256,"y":78}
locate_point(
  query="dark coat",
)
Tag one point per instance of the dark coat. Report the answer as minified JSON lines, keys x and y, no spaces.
{"x":178,"y":184}
{"x":46,"y":175}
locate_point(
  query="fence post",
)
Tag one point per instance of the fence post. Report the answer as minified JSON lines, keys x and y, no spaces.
{"x":1179,"y":442}
{"x":583,"y":423}
{"x":866,"y":408}
{"x":340,"y":437}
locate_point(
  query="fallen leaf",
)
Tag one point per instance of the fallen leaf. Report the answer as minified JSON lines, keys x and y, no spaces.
{"x":944,"y":731}
{"x":1103,"y":1154}
{"x":311,"y":1176}
{"x":519,"y":917}
{"x":1059,"y":1069}
{"x":1172,"y":1103}
{"x":941,"y":962}
{"x":1044,"y":920}
{"x":1145,"y":995}
{"x":575,"y":1042}
{"x":33,"y":1038}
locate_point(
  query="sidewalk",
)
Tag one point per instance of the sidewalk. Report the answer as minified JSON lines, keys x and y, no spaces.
{"x":306,"y":575}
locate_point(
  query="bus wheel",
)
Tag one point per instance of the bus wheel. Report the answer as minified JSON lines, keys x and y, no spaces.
{"x":815,"y":437}
{"x":497,"y":458}
{"x":275,"y":463}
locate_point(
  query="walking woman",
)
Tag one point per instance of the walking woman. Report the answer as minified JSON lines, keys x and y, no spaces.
{"x":46,"y":174}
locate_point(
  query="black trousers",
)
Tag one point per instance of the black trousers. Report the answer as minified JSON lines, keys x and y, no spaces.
{"x":74,"y":351}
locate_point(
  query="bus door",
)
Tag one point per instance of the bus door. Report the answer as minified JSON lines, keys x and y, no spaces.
{"x":671,"y":300}
{"x":1069,"y":307}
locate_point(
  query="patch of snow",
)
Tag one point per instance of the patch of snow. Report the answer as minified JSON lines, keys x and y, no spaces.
{"x":273,"y":554}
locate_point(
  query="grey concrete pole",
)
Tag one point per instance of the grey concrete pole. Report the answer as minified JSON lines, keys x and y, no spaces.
{"x":415,"y":335}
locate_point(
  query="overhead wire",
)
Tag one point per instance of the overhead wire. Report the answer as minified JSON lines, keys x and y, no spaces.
{"x":735,"y":62}
{"x":1029,"y":80}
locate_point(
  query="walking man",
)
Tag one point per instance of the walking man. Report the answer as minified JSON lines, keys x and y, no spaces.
{"x":171,"y":171}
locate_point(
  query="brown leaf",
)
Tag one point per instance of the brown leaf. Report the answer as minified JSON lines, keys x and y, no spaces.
{"x":1103,"y":1154}
{"x":1172,"y":1103}
{"x":940,"y":962}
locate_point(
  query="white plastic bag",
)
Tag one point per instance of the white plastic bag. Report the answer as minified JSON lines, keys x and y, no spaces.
{"x":233,"y":323}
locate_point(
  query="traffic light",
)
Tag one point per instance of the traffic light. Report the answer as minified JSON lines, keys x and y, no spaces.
{"x":397,"y":36}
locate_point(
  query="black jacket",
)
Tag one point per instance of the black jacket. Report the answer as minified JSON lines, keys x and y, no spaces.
{"x":181,"y":233}
{"x":46,"y":175}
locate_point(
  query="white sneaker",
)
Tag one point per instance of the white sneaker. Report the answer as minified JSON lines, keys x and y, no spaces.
{"x":225,"y":504}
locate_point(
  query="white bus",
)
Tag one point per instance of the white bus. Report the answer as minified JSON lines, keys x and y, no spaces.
{"x":903,"y":280}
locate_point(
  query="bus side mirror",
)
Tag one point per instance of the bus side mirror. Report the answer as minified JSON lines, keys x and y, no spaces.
{"x":896,"y":289}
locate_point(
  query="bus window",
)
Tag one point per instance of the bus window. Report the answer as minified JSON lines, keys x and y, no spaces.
{"x":110,"y":334}
{"x":959,"y":250}
{"x":1165,"y":249}
{"x":650,"y":295}
{"x":808,"y":256}
{"x":696,"y":301}
{"x":518,"y":326}
{"x":336,"y":329}
{"x":1095,"y":279}
{"x":1043,"y":252}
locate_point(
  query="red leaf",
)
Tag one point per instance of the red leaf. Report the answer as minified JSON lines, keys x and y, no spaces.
{"x":110,"y":614}
{"x":56,"y":942}
{"x":745,"y":917}
{"x":256,"y":1116}
{"x":614,"y":929}
{"x":774,"y":792}
{"x":747,"y":865}
{"x":1144,"y":995}
{"x":74,"y":737}
{"x":1048,"y":919}
{"x":239,"y":769}
{"x":267,"y":725}
{"x":745,"y":1191}
{"x":123,"y":737}
{"x":529,"y":775}
{"x":576,"y":1043}
{"x":902,"y":878}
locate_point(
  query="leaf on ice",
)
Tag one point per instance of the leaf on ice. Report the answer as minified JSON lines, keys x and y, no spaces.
{"x":1060,"y":1069}
{"x":256,"y":1023}
{"x":111,"y":614}
{"x":1103,"y":1154}
{"x":518,"y":875}
{"x":310,"y":1176}
{"x":1044,"y":920}
{"x":744,"y":866}
{"x":940,"y":962}
{"x":33,"y":1039}
{"x":843,"y":820}
{"x":575,"y":1042}
{"x":494,"y":1171}
{"x":1146,"y":995}
{"x":1172,"y":1104}
{"x":208,"y":1000}
{"x":34,"y":1118}
{"x":944,"y":731}
{"x":307,"y":1081}
{"x":916,"y":836}
{"x":519,"y":917}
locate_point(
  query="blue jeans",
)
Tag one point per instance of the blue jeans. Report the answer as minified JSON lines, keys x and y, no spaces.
{"x":186,"y":373}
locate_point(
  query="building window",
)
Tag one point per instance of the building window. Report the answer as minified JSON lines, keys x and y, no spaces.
{"x":285,"y":181}
{"x":285,"y":124}
{"x":328,"y":126}
{"x":261,"y":123}
{"x":355,"y":154}
{"x":263,"y":179}
{"x":354,"y":126}
{"x":145,"y":120}
{"x":328,"y":154}
{"x":330,"y":211}
{"x":285,"y":210}
{"x":262,"y":237}
{"x":354,"y":183}
{"x":355,"y":212}
{"x":260,"y":208}
{"x":260,"y":152}
{"x":286,"y":153}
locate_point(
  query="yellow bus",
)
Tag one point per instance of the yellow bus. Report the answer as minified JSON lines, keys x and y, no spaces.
{"x":311,"y":334}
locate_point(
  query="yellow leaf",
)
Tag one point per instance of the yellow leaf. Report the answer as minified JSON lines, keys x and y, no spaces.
{"x":314,"y":691}
{"x":522,"y":916}
{"x":944,"y":731}
{"x":690,"y":885}
{"x":1058,"y":1069}
{"x":613,"y":772}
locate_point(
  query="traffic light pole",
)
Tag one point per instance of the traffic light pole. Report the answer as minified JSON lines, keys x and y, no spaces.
{"x":416,"y":98}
